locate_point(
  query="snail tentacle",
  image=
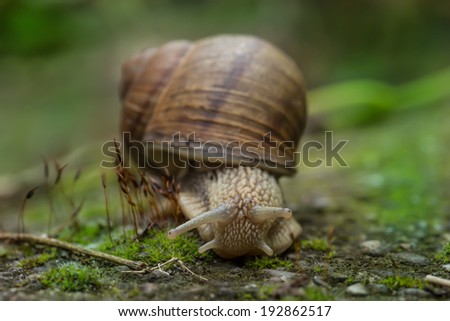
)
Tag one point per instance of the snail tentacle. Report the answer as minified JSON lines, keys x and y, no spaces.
{"x":208,"y":246}
{"x":263,"y":246}
{"x":218,"y":214}
{"x":260,"y":214}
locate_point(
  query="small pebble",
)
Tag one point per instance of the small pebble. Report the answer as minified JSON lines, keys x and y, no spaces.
{"x":411,"y":259}
{"x":406,"y":246}
{"x":236,"y":270}
{"x":282,"y":275}
{"x":357,"y":290}
{"x":446,"y":267}
{"x":380,"y":289}
{"x":338,"y":277}
{"x":227,"y":293}
{"x":193,"y":293}
{"x":160,"y":274}
{"x":412,"y":292}
{"x":319,"y":281}
{"x":372,"y":248}
{"x":251,"y":286}
{"x":148,"y":288}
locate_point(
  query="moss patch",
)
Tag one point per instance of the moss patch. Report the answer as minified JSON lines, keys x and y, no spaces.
{"x":313,"y":293}
{"x":38,"y":260}
{"x":265,"y":292}
{"x":321,"y":245}
{"x":72,"y":277}
{"x":350,"y":280}
{"x":315,"y":244}
{"x":3,"y":251}
{"x":397,"y":282}
{"x":156,"y":248}
{"x":444,"y":254}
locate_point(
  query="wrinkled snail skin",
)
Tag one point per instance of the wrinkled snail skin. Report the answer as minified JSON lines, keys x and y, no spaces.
{"x":223,"y":89}
{"x":238,"y":211}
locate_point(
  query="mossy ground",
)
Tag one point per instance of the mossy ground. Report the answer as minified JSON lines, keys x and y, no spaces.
{"x":72,"y":277}
{"x":444,"y":254}
{"x":397,"y":282}
{"x":37,"y":260}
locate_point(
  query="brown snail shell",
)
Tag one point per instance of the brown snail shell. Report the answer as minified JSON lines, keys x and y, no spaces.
{"x":222,"y":91}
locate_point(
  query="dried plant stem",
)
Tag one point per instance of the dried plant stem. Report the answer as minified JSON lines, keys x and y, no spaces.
{"x":52,"y":206}
{"x":172,"y":260}
{"x":437,"y":280}
{"x":20,"y":221}
{"x":23,"y":237}
{"x":107,"y":206}
{"x":124,"y":219}
{"x":71,"y":222}
{"x":190,"y":271}
{"x":49,"y":195}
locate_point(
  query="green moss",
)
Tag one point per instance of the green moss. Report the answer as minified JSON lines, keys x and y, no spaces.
{"x":315,"y":244}
{"x":321,"y":245}
{"x":3,"y":251}
{"x":135,"y":291}
{"x":72,"y":277}
{"x":317,"y":269}
{"x":444,"y":255}
{"x":29,"y":250}
{"x":331,"y":253}
{"x":267,"y":262}
{"x":247,"y":297}
{"x":265,"y":292}
{"x":350,"y":280}
{"x":156,"y":248}
{"x":396,"y":282}
{"x":37,"y":260}
{"x":313,"y":293}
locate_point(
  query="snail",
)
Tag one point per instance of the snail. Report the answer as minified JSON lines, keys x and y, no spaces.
{"x":232,"y":108}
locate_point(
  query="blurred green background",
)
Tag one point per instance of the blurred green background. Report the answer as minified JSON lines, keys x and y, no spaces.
{"x":378,"y":73}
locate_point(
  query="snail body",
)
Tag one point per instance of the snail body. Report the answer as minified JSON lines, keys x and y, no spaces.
{"x":233,"y":109}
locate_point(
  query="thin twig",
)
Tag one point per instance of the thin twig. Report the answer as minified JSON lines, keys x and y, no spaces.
{"x":21,"y":222}
{"x":160,"y":265}
{"x":437,"y":280}
{"x":105,"y":192}
{"x":148,"y":269}
{"x":23,"y":237}
{"x":194,"y":274}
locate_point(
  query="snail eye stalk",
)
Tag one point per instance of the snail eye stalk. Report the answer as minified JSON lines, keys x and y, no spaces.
{"x":260,"y":214}
{"x":219,"y":214}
